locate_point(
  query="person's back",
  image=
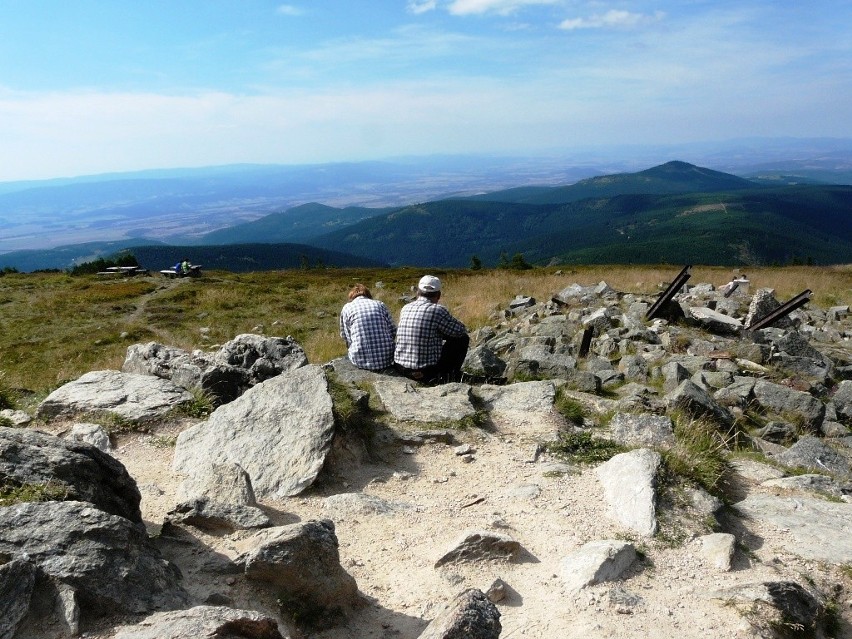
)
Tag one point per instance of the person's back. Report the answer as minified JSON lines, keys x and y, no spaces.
{"x":368,"y":330}
{"x":431,"y":344}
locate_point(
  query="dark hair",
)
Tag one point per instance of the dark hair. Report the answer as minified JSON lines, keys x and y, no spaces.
{"x":359,"y":290}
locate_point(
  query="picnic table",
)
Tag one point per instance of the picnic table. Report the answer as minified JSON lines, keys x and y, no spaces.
{"x":126,"y":271}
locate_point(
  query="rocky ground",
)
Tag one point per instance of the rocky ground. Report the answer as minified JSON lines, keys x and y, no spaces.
{"x":402,"y":497}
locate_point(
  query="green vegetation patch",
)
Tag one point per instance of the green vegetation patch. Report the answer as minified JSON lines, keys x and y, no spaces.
{"x":582,"y":446}
{"x":12,"y":493}
{"x":700,"y":455}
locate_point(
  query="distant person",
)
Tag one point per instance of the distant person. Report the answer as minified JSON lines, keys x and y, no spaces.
{"x":185,"y":267}
{"x":431,"y":344}
{"x":367,"y":328}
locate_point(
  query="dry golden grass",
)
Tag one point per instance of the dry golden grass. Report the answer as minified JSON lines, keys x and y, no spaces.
{"x":54,"y":327}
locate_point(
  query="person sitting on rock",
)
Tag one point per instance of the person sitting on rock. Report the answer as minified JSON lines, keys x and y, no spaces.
{"x":367,"y":328}
{"x":431,"y":344}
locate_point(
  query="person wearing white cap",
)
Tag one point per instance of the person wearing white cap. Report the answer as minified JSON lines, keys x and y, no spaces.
{"x":431,"y":344}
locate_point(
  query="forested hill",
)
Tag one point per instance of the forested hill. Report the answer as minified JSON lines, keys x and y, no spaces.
{"x":757,"y":225}
{"x":667,"y":179}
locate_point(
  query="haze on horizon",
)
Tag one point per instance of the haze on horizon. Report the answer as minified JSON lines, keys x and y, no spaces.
{"x":97,"y":86}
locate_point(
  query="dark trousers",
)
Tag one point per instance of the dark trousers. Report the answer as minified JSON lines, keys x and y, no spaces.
{"x":448,"y":368}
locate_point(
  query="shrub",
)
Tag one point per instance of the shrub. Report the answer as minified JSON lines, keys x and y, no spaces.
{"x":582,"y":447}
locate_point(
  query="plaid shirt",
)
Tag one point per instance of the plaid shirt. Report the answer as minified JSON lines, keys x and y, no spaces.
{"x":368,"y":329}
{"x":423,"y":326}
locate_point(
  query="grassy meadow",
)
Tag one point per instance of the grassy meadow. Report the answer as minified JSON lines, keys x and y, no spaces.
{"x":55,"y":327}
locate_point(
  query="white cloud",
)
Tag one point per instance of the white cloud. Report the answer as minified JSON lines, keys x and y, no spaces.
{"x":421,"y":6}
{"x":289,"y":10}
{"x":612,"y":19}
{"x":500,"y":7}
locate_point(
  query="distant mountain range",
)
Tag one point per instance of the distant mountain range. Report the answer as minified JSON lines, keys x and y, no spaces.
{"x":676,"y":212}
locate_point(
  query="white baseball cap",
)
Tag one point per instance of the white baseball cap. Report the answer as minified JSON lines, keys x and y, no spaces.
{"x":429,"y":284}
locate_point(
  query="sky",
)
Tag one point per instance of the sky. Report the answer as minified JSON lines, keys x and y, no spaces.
{"x":96,"y":86}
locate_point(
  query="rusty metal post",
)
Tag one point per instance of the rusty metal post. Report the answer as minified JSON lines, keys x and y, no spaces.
{"x":785,"y":309}
{"x":586,"y":342}
{"x":669,"y":293}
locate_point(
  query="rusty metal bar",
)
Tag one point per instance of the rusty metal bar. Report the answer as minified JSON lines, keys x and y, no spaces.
{"x":785,"y":309}
{"x":669,"y":293}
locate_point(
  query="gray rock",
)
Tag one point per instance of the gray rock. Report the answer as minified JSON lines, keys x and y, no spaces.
{"x":815,"y":454}
{"x":842,"y":400}
{"x":76,"y":545}
{"x":485,"y":362}
{"x":529,"y":397}
{"x":739,"y":393}
{"x":301,"y":562}
{"x":136,"y":398}
{"x":262,"y":357}
{"x":93,"y":434}
{"x":17,"y":582}
{"x":762,"y":304}
{"x":217,"y":517}
{"x":816,"y":529}
{"x":17,"y":417}
{"x":470,"y":615}
{"x":778,"y":432}
{"x":785,"y":401}
{"x":817,"y":484}
{"x":673,"y":374}
{"x":715,"y":322}
{"x":773,"y":605}
{"x":718,"y":550}
{"x":480,"y":546}
{"x":348,"y":504}
{"x":642,"y":429}
{"x":628,"y":481}
{"x":226,"y":483}
{"x":634,"y":368}
{"x":203,"y":621}
{"x":408,"y":401}
{"x":696,"y":402}
{"x":82,"y":471}
{"x":238,"y":365}
{"x":596,"y":562}
{"x":279,"y":431}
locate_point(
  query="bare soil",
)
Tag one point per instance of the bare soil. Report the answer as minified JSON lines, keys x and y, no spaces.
{"x":507,"y":488}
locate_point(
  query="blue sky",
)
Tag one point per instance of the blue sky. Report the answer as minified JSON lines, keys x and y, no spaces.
{"x":93,"y":86}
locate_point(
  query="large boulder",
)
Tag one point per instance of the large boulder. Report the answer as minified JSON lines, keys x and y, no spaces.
{"x":697,"y":403}
{"x":135,"y":398}
{"x":238,"y":365}
{"x":80,"y":470}
{"x":107,"y":562}
{"x":279,"y":432}
{"x":408,"y":401}
{"x":787,"y":402}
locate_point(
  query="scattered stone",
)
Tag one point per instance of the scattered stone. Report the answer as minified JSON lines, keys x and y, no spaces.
{"x":596,"y":562}
{"x":301,"y":562}
{"x":203,"y":621}
{"x":481,"y":546}
{"x":470,"y":615}
{"x":628,"y":481}
{"x":643,"y":429}
{"x":774,"y":605}
{"x":718,"y":550}
{"x":93,"y":434}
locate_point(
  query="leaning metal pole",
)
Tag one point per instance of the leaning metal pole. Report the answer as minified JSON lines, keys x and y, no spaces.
{"x":788,"y":307}
{"x":669,"y":293}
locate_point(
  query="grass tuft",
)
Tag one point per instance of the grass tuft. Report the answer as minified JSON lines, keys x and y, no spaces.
{"x":581,"y":446}
{"x":16,"y":494}
{"x":700,"y":454}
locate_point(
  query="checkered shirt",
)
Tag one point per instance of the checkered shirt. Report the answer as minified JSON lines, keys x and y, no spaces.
{"x":423,"y":326}
{"x":368,"y":329}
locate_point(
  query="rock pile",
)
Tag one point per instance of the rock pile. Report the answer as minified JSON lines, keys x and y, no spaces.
{"x":785,"y":393}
